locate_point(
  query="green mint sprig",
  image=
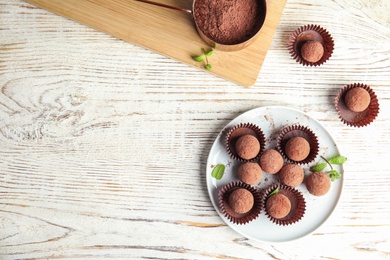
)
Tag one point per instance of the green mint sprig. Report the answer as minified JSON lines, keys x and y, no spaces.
{"x":203,"y":57}
{"x":218,"y":171}
{"x":333,"y":174}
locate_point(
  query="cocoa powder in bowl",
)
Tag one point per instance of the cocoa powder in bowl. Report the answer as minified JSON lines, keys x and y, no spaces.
{"x":229,"y":22}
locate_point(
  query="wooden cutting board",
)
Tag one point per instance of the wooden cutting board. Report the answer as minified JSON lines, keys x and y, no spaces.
{"x":169,"y":32}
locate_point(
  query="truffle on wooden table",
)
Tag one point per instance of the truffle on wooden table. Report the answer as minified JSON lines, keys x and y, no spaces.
{"x":312,"y":51}
{"x":357,"y":99}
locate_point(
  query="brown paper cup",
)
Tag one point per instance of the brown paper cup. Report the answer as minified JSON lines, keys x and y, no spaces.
{"x":308,"y":33}
{"x":229,"y":213}
{"x":356,"y":119}
{"x":298,"y":204}
{"x":238,"y":131}
{"x":301,"y":131}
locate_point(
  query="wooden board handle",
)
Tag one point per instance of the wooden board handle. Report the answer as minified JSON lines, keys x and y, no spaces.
{"x":166,"y":6}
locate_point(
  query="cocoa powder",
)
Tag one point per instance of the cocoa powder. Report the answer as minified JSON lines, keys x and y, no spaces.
{"x":228,"y":21}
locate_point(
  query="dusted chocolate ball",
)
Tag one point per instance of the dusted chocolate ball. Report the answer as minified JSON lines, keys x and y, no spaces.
{"x":241,"y":201}
{"x":271,"y":161}
{"x":292,"y":175}
{"x":357,"y":99}
{"x":318,"y":183}
{"x":312,"y":51}
{"x":247,"y":147}
{"x":297,"y":148}
{"x":250,"y":173}
{"x":278,"y":206}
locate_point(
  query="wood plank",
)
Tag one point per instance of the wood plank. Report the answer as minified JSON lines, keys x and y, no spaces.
{"x":169,"y":32}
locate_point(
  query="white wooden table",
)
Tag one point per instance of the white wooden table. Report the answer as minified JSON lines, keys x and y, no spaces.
{"x":104,"y":143}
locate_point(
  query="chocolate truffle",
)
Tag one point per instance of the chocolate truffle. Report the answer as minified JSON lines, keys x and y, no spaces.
{"x":250,"y":173}
{"x":312,"y":51}
{"x":297,"y":148}
{"x":247,"y":147}
{"x":357,"y":99}
{"x":292,"y":175}
{"x":271,"y":161}
{"x":241,"y":200}
{"x":278,"y":206}
{"x":318,"y":183}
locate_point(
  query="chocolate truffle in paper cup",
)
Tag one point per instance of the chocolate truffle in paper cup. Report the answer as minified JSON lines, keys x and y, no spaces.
{"x":239,"y":202}
{"x":245,"y":142}
{"x":283,"y":205}
{"x":357,"y":105}
{"x":297,"y":144}
{"x":278,"y":206}
{"x":297,"y":148}
{"x":311,"y":45}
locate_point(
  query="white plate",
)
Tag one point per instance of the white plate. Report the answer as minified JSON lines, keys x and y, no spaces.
{"x":271,"y":120}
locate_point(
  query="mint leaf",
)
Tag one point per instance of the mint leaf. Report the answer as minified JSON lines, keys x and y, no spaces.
{"x":334,"y":175}
{"x":199,"y":58}
{"x":218,"y":171}
{"x":318,"y":167}
{"x":209,"y":53}
{"x":275,"y":191}
{"x":337,"y":159}
{"x":208,"y":67}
